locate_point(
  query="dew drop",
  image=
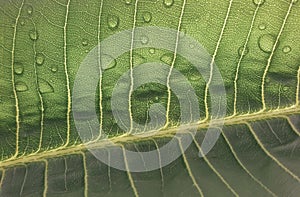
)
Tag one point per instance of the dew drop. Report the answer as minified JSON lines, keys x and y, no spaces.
{"x":258,"y":2}
{"x":44,"y":86}
{"x":168,"y":3}
{"x":144,"y":39}
{"x":266,"y":43}
{"x":54,"y":68}
{"x":147,"y":17}
{"x":182,"y":33}
{"x":107,"y":58}
{"x":29,"y":10}
{"x":286,"y":49}
{"x":33,"y":35}
{"x":84,"y":42}
{"x":151,"y":50}
{"x":128,"y":2}
{"x":40,"y":58}
{"x":113,"y":22}
{"x":262,"y":26}
{"x":22,"y":23}
{"x":167,"y":58}
{"x":21,"y":86}
{"x":241,"y":49}
{"x":18,"y":68}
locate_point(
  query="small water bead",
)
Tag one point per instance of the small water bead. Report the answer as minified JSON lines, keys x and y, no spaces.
{"x":167,"y":58}
{"x":128,"y":2}
{"x":241,"y":49}
{"x":22,"y":23}
{"x":266,"y":43}
{"x":147,"y":17}
{"x":18,"y":68}
{"x":40,"y":58}
{"x":262,"y":26}
{"x":144,"y":39}
{"x":33,"y":35}
{"x":44,"y":86}
{"x":113,"y":22}
{"x":286,"y":49}
{"x":258,"y":2}
{"x":21,"y":86}
{"x":182,"y":33}
{"x":29,"y":9}
{"x":108,"y":59}
{"x":54,"y":68}
{"x":168,"y":3}
{"x":151,"y":50}
{"x":84,"y":42}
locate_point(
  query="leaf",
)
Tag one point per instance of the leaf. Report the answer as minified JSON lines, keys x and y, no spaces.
{"x":254,"y":45}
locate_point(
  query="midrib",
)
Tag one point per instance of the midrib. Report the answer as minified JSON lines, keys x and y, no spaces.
{"x":79,"y":148}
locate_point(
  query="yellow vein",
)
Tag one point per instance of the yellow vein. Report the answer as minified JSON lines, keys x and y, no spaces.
{"x":189,"y":168}
{"x":2,"y":178}
{"x":13,"y":80}
{"x":173,"y":63}
{"x":67,"y":75}
{"x":65,"y":173}
{"x":61,"y":151}
{"x":24,"y":181}
{"x":131,"y":65}
{"x":85,"y":174}
{"x":244,"y":167}
{"x":271,"y":56}
{"x":39,"y":94}
{"x":292,"y":125}
{"x":241,"y":58}
{"x":108,"y":171}
{"x":298,"y":86}
{"x":129,"y":173}
{"x":45,"y":179}
{"x":160,"y":166}
{"x":213,"y":168}
{"x":213,"y":60}
{"x":269,"y":154}
{"x":100,"y":72}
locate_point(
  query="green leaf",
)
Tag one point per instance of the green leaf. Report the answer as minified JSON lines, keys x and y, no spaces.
{"x":254,"y":45}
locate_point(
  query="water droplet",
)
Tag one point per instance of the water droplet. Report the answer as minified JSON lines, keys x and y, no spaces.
{"x":44,"y":86}
{"x":262,"y":26}
{"x":147,"y":17}
{"x":266,"y":43}
{"x":192,"y":46}
{"x":40,"y":58}
{"x":113,"y":22}
{"x":286,"y":49}
{"x":241,"y":49}
{"x":144,"y":39}
{"x":138,"y":59}
{"x":107,"y":58}
{"x":167,"y":58}
{"x":54,"y":68}
{"x":19,"y":68}
{"x":22,"y":23}
{"x":84,"y":42}
{"x":21,"y":86}
{"x":29,"y":9}
{"x":182,"y":33}
{"x":128,"y":2}
{"x":33,"y":35}
{"x":168,"y":3}
{"x":152,"y":51}
{"x":258,"y":2}
{"x":267,"y":80}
